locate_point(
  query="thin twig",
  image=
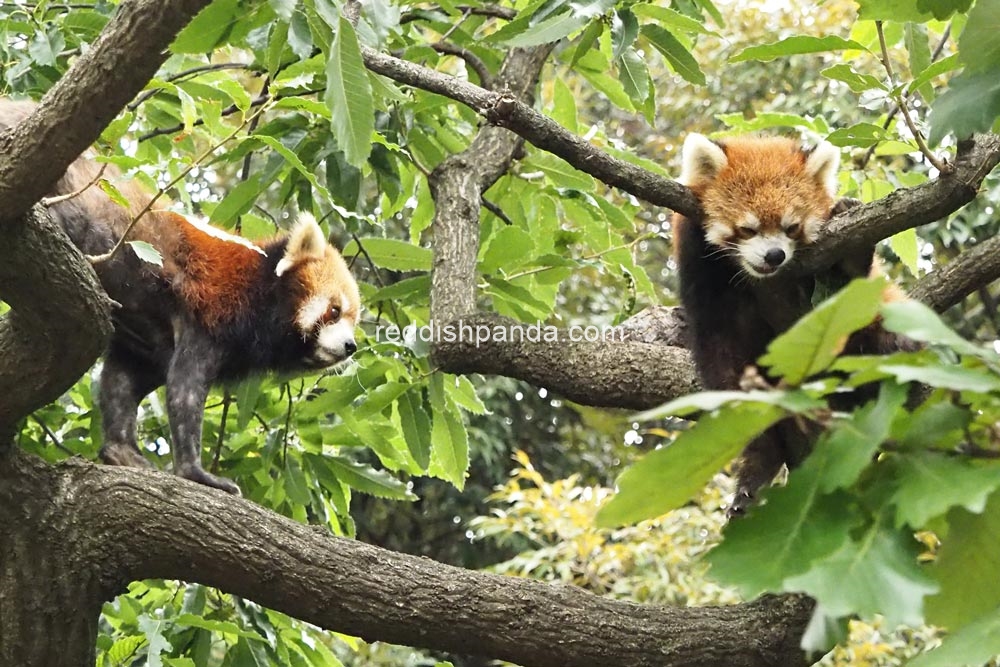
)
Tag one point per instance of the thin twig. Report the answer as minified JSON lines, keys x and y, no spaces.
{"x":378,"y":276}
{"x":52,"y":436}
{"x":496,"y":210}
{"x":248,"y":158}
{"x":97,"y":259}
{"x":227,"y":398}
{"x":942,"y":167}
{"x":49,"y":201}
{"x":494,"y":11}
{"x":471,"y":59}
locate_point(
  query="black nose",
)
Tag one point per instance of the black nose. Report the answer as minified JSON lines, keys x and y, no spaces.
{"x":350,"y":347}
{"x":774,"y":257}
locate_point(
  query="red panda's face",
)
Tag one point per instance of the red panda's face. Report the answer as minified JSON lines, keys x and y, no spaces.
{"x":327,"y":305}
{"x":763,"y":198}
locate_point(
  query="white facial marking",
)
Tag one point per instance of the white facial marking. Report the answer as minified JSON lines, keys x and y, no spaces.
{"x":750,"y":221}
{"x":718,"y":233}
{"x":311,"y":312}
{"x":753,"y":252}
{"x":333,"y":340}
{"x":811,"y":229}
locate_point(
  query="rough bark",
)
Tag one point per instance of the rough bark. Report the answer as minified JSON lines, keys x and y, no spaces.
{"x":108,"y":526}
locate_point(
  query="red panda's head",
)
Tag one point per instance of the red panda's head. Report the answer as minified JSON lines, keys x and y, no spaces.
{"x":327,"y":306}
{"x":763,"y":197}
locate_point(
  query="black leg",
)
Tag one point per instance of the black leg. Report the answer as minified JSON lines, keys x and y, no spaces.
{"x":125,"y":380}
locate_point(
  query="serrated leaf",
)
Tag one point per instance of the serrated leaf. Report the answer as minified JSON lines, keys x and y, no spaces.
{"x":416,"y":427}
{"x":706,"y":401}
{"x":858,"y":83}
{"x":670,"y":19}
{"x":392,"y":254}
{"x":967,"y":568}
{"x":506,"y":249}
{"x":449,"y":440}
{"x":553,"y":28}
{"x":933,"y":424}
{"x":561,"y":173}
{"x":464,"y":394}
{"x":366,"y":479}
{"x":918,"y":322}
{"x":123,"y":650}
{"x":222,"y":627}
{"x":978,"y":46}
{"x":668,"y":477}
{"x":862,"y":134}
{"x":379,"y":398}
{"x":956,"y":378}
{"x":812,"y":343}
{"x":404,"y":289}
{"x":878,"y":574}
{"x":634,"y":76}
{"x":237,"y":201}
{"x":349,"y":96}
{"x":918,"y":52}
{"x":928,"y":484}
{"x":624,"y":31}
{"x":516,"y":300}
{"x":675,"y":53}
{"x":158,"y":644}
{"x":795,"y":45}
{"x":208,"y":28}
{"x":970,"y":104}
{"x":247,"y":393}
{"x":146,"y":252}
{"x":970,"y":646}
{"x":796,"y":526}
{"x":587,"y":39}
{"x":891,"y":10}
{"x":852,"y":443}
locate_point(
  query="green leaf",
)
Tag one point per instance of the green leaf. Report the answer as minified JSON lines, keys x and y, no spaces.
{"x":158,"y":644}
{"x":222,"y":627}
{"x":782,"y":538}
{"x":952,"y":377}
{"x":767,"y":120}
{"x":561,"y":173}
{"x":928,"y":484}
{"x":247,"y":394}
{"x":934,"y":70}
{"x":366,"y":479}
{"x":634,"y":76}
{"x":918,"y":51}
{"x":670,"y":19}
{"x":918,"y":322}
{"x":508,"y":248}
{"x":587,"y":39}
{"x":851,"y":445}
{"x":942,"y":9}
{"x":878,"y":574}
{"x":862,"y":134}
{"x":971,"y":104}
{"x":124,"y":649}
{"x":392,"y":254}
{"x":416,"y":427}
{"x":208,"y":29}
{"x":891,"y":10}
{"x":675,"y":53}
{"x":813,"y":342}
{"x":449,"y":440}
{"x":668,"y":477}
{"x":555,"y":27}
{"x":624,"y":31}
{"x":970,"y":646}
{"x":379,"y":398}
{"x":978,"y":46}
{"x":795,"y":45}
{"x":858,"y":83}
{"x":237,"y":201}
{"x":146,"y":252}
{"x":705,"y":401}
{"x":933,"y":424}
{"x":905,"y":245}
{"x":461,"y":390}
{"x":967,"y":568}
{"x":349,"y":96}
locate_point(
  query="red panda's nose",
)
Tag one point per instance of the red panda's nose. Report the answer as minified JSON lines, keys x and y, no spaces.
{"x":350,"y":347}
{"x":774,"y":257}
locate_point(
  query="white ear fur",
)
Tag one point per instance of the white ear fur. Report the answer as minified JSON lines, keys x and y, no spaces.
{"x":822,"y":164}
{"x":306,"y":241}
{"x":701,"y":159}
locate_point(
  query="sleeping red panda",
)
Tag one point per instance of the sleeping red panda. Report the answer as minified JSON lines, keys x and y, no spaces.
{"x":763,"y":199}
{"x":220,"y":309}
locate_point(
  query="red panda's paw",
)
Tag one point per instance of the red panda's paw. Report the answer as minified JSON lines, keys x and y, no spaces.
{"x":198,"y":474}
{"x":123,"y":454}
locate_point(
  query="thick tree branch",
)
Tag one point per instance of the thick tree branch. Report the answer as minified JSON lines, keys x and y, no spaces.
{"x":132,"y":524}
{"x":81,"y":104}
{"x":971,"y":270}
{"x":55,"y":299}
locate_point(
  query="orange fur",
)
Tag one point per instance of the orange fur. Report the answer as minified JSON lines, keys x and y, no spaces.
{"x":215,"y":275}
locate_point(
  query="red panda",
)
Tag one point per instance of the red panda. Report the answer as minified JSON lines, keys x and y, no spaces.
{"x":219,"y":309}
{"x":762,"y":199}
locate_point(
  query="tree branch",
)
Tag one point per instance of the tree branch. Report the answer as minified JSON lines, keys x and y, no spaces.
{"x":132,"y":524}
{"x":971,"y":270}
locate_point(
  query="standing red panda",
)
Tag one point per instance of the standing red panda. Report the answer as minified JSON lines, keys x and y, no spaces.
{"x":219,"y":309}
{"x":763,"y":199}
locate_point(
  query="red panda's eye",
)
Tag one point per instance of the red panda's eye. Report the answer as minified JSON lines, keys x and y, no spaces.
{"x":746,"y":232}
{"x":793,"y":229}
{"x":335,"y":313}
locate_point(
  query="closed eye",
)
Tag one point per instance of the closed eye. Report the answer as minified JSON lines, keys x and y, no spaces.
{"x":746,"y":232}
{"x":793,"y":228}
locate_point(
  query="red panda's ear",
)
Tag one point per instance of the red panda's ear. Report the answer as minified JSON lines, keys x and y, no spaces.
{"x":822,"y":164}
{"x":305,"y":242}
{"x":701,"y":160}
